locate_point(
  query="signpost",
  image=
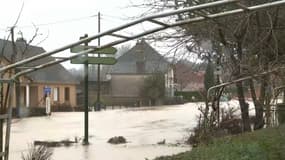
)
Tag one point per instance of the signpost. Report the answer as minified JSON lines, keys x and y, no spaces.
{"x":94,"y":60}
{"x":47,"y":90}
{"x":79,"y":48}
{"x":86,"y":60}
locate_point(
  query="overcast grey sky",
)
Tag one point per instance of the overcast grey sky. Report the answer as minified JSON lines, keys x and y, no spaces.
{"x":63,"y":21}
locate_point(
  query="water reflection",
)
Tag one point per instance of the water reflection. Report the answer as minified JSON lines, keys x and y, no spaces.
{"x":142,"y":127}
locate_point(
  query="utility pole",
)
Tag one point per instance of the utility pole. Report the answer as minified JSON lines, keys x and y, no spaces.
{"x":98,"y":104}
{"x":86,"y":109}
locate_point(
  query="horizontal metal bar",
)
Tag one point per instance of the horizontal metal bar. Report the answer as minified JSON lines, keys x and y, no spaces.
{"x":201,"y":13}
{"x":24,"y":67}
{"x":108,"y":32}
{"x":60,"y":57}
{"x":242,"y":6}
{"x":267,"y":5}
{"x":242,"y":79}
{"x":158,"y":22}
{"x":119,"y":36}
{"x":50,"y":63}
{"x":253,"y":8}
{"x":4,"y":116}
{"x":193,"y":8}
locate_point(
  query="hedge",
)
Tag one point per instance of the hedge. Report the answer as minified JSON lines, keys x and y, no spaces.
{"x":191,"y":96}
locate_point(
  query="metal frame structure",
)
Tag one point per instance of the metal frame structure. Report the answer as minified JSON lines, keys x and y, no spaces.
{"x":8,"y":118}
{"x":244,"y":79}
{"x":153,"y":19}
{"x":157,"y":19}
{"x":275,"y":103}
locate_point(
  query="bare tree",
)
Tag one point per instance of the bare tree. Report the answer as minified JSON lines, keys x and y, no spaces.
{"x":243,"y":44}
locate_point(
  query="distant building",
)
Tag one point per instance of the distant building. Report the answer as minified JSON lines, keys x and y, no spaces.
{"x":186,"y":79}
{"x":93,"y":86}
{"x":55,"y":80}
{"x":121,"y":83}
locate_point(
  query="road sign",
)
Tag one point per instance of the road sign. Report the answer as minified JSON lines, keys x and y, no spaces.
{"x":94,"y":60}
{"x":79,"y":48}
{"x":47,"y":90}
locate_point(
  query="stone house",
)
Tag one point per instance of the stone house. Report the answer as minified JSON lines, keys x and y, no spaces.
{"x":128,"y":74}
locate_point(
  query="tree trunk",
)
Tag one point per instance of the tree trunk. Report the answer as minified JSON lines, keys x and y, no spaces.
{"x":283,"y":97}
{"x":243,"y":108}
{"x":259,"y":121}
{"x":264,"y":99}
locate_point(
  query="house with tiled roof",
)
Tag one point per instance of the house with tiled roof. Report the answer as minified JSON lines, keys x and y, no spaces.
{"x":128,"y":74}
{"x":33,"y":86}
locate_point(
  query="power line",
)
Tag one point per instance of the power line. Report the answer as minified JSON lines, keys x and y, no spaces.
{"x":115,"y":17}
{"x":110,"y":17}
{"x":115,"y":21}
{"x":59,"y":22}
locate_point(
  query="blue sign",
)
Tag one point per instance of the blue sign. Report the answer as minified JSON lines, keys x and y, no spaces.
{"x":47,"y":90}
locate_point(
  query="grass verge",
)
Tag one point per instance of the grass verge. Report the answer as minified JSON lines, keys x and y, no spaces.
{"x":265,"y":144}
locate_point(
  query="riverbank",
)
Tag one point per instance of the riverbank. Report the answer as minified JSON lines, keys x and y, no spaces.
{"x":266,"y":144}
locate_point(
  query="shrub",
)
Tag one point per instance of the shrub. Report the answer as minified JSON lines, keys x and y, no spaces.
{"x":191,"y":96}
{"x":38,"y":153}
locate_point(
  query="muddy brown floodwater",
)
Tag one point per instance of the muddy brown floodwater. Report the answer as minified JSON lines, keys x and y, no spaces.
{"x":142,"y":127}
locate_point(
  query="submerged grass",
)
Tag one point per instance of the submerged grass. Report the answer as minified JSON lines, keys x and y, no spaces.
{"x":265,"y":144}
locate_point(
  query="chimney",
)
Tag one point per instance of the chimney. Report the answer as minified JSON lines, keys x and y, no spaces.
{"x":21,"y":39}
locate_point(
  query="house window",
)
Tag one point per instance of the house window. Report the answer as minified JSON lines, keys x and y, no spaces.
{"x":56,"y":94}
{"x":66,"y":94}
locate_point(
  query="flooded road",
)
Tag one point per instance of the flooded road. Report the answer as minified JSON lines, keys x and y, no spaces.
{"x":142,"y":127}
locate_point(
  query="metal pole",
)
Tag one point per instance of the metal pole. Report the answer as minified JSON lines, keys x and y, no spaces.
{"x":2,"y":111}
{"x":8,"y":123}
{"x":86,"y":109}
{"x":1,"y":120}
{"x":98,"y":104}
